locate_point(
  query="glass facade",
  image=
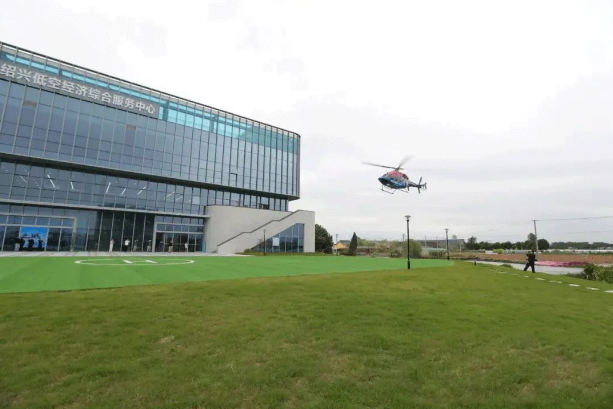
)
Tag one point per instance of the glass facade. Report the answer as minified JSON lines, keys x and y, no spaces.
{"x":28,"y":182}
{"x":77,"y":140}
{"x":92,"y":230}
{"x":290,"y":240}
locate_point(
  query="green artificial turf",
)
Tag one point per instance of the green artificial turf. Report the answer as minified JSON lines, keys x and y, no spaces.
{"x":454,"y":337}
{"x":25,"y":274}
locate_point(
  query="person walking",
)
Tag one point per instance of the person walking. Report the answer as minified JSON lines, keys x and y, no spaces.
{"x":531,"y":260}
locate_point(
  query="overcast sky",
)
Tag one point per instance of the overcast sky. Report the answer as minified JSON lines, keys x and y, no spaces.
{"x":506,"y":106}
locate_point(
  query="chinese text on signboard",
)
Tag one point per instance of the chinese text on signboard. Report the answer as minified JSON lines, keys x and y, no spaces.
{"x":33,"y":77}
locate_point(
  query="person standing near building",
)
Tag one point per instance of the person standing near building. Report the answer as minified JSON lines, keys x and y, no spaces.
{"x":531,"y":260}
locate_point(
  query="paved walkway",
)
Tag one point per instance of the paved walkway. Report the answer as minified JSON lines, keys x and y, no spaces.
{"x":109,"y":254}
{"x":539,"y":269}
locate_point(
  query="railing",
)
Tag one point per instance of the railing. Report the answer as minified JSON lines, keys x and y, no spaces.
{"x":258,"y":228}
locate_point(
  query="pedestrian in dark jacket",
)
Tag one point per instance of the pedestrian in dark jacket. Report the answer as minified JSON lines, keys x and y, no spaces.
{"x":531,"y":260}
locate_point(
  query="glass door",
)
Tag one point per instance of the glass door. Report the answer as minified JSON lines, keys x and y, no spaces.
{"x":191,"y":243}
{"x":182,"y":241}
{"x":161,"y":240}
{"x":53,"y":239}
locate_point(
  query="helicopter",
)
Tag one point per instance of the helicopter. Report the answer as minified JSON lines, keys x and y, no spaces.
{"x":395,"y":180}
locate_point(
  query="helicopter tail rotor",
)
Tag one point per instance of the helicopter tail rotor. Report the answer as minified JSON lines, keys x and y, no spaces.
{"x":420,"y":186}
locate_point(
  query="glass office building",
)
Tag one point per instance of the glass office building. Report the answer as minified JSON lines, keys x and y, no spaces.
{"x":87,"y":159}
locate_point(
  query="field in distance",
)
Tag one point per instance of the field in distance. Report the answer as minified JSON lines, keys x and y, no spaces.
{"x":521,"y":258}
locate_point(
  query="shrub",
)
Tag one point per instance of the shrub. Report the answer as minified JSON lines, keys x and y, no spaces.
{"x":595,"y":273}
{"x":604,"y":274}
{"x":506,"y":265}
{"x":588,"y":271}
{"x":395,"y":254}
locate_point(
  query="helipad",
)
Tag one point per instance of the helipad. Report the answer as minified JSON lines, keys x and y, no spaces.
{"x":134,"y":262}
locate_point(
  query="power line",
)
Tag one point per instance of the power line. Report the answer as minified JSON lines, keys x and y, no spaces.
{"x":575,"y":218}
{"x":582,"y":232}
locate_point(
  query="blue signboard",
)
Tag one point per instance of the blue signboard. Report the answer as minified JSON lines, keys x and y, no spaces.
{"x":34,"y":237}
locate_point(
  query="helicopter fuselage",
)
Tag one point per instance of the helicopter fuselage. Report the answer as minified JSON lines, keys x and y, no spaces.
{"x":396,"y":180}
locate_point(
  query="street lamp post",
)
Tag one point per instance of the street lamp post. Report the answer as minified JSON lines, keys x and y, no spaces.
{"x":447,"y":238}
{"x":264,"y":241}
{"x":407,"y":217}
{"x":336,"y":245}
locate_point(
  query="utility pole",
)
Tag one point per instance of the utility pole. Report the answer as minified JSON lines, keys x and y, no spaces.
{"x":407,"y":217}
{"x":536,"y":239}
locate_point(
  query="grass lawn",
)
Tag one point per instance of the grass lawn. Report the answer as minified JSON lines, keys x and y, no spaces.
{"x":24,"y":274}
{"x":453,"y":337}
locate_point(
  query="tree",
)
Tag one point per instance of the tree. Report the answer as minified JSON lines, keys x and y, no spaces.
{"x":323,"y":240}
{"x":472,"y":243}
{"x":531,"y":242}
{"x":353,"y":245}
{"x":543,"y":244}
{"x":415,"y":249}
{"x":365,"y":242}
{"x":388,"y":247}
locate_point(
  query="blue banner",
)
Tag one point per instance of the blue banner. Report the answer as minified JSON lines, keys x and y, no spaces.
{"x":34,"y":237}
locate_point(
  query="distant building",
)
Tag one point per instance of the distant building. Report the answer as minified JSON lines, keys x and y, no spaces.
{"x":454,"y":243}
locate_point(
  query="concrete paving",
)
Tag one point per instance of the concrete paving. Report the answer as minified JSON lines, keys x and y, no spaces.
{"x":539,"y":269}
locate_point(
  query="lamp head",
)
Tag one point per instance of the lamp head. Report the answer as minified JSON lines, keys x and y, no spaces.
{"x":407,"y":217}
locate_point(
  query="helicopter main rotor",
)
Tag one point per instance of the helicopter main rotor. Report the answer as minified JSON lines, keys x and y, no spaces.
{"x":402,"y":162}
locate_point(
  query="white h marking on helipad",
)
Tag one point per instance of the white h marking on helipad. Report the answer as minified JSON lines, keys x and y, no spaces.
{"x":139,"y":261}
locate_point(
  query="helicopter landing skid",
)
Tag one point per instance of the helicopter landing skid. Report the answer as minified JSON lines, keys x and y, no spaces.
{"x":391,"y":191}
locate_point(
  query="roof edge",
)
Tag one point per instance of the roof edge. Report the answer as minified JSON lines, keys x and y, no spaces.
{"x":146,"y":87}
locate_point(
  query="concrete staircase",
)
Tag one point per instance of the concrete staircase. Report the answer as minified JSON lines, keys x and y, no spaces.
{"x":250,"y":239}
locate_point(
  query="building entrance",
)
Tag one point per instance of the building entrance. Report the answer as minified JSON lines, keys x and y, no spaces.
{"x":179,"y":238}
